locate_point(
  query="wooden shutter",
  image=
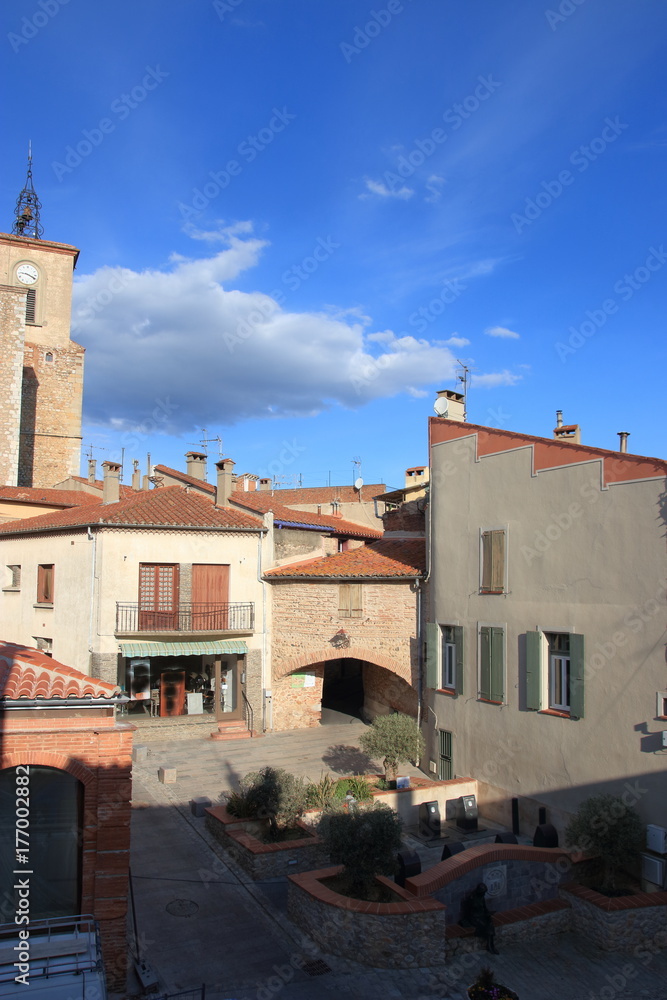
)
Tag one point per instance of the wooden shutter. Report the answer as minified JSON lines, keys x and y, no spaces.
{"x":576,"y":676}
{"x":485,"y":662}
{"x":534,"y":670}
{"x":158,"y":596}
{"x":497,"y":681}
{"x":344,"y":598}
{"x":493,"y":562}
{"x":355,"y":600}
{"x":45,"y":584}
{"x":30,"y":304}
{"x":446,"y":764}
{"x":498,"y":561}
{"x":432,"y":655}
{"x":458,"y":642}
{"x":210,"y":597}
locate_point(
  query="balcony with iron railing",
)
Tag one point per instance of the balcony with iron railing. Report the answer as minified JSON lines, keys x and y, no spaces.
{"x":190,"y":617}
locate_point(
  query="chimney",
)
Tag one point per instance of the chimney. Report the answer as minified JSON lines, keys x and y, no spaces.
{"x":416,"y":476}
{"x":136,"y":476}
{"x":559,"y":418}
{"x":196,"y":465}
{"x":450,"y":405}
{"x":566,"y":432}
{"x":111,"y":486}
{"x":92,"y":471}
{"x":624,"y":435}
{"x":265,"y":484}
{"x":224,"y":485}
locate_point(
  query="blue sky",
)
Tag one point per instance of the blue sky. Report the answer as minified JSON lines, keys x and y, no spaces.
{"x":294,"y":217}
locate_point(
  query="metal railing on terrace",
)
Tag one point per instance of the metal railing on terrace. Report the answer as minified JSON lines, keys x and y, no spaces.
{"x":191,"y":617}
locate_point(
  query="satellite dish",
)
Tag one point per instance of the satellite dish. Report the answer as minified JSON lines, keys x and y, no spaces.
{"x":358,"y":483}
{"x":441,"y":406}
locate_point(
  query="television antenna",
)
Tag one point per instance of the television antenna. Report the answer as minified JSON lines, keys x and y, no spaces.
{"x":463,"y":375}
{"x":207,"y":440}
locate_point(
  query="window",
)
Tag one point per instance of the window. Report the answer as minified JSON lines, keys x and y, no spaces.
{"x":444,"y":657}
{"x":48,"y":357}
{"x":491,"y":663}
{"x":13,"y":578}
{"x":559,"y":670}
{"x":45,"y":584}
{"x":661,"y":705}
{"x":493,"y":562}
{"x":44,"y":645}
{"x":158,"y":597}
{"x":445,"y":764}
{"x":349,"y":600}
{"x":555,"y":672}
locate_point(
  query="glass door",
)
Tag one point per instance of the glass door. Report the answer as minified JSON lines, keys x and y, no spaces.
{"x":229,"y":687}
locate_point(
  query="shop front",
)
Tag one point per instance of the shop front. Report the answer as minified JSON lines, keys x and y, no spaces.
{"x":185,"y":679}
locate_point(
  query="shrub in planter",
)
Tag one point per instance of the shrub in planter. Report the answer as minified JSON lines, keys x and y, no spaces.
{"x":272,"y":794}
{"x":322,"y":794}
{"x":356,"y":786}
{"x":365,"y":842}
{"x":605,"y":826}
{"x":396,"y":739}
{"x":485,"y":987}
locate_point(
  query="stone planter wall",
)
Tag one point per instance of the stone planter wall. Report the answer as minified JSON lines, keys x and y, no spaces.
{"x":261,"y":860}
{"x":527,"y":923}
{"x":622,"y":923}
{"x":401,"y":935}
{"x":529,"y":874}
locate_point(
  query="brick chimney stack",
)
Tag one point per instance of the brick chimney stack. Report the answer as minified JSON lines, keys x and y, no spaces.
{"x":92,"y":470}
{"x":111,"y":485}
{"x":225,"y":484}
{"x":265,"y":484}
{"x":196,"y":465}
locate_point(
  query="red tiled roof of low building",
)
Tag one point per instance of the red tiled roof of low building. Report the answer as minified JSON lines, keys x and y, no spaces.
{"x":264,"y":501}
{"x":98,"y":484}
{"x":383,"y":559}
{"x":185,"y":478}
{"x":326,"y":494}
{"x":169,"y":506}
{"x":54,"y":497}
{"x":28,"y":673}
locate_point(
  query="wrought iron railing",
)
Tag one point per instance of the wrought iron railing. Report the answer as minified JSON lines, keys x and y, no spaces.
{"x":192,"y":617}
{"x":248,"y":714}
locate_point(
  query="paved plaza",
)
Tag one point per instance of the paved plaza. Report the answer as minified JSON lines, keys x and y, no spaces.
{"x":202,"y":920}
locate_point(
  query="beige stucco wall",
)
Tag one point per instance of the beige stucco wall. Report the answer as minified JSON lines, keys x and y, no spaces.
{"x":580,"y":559}
{"x":91,"y":576}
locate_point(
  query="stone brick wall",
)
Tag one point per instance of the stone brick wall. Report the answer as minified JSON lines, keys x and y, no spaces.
{"x":262,"y":860}
{"x":621,"y":923}
{"x":409,"y":517}
{"x":100,"y":758}
{"x":12,"y":334}
{"x":306,"y":619}
{"x":403,"y":935}
{"x":50,"y":414}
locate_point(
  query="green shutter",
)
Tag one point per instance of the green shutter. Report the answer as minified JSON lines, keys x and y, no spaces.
{"x":497,"y":683}
{"x":458,"y":642}
{"x":485,"y":662}
{"x":432,"y":655}
{"x":533,"y":670}
{"x":577,"y":676}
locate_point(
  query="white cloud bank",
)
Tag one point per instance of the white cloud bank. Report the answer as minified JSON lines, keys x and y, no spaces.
{"x":218,"y":355}
{"x":501,"y":331}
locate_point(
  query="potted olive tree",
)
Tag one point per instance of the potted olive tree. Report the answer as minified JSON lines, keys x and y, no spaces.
{"x":396,"y":739}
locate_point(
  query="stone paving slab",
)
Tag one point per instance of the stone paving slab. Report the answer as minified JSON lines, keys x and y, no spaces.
{"x":242,"y":943}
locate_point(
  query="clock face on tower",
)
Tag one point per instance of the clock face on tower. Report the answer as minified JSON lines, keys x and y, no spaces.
{"x":27,"y":274}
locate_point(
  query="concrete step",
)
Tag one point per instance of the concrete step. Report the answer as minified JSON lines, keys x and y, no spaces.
{"x":235,"y":729}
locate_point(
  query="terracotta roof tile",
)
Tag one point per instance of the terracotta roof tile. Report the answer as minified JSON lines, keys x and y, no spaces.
{"x":55,"y":497}
{"x":28,"y":673}
{"x":386,"y":558}
{"x":98,"y":484}
{"x":325,"y":494}
{"x":169,"y":506}
{"x":264,"y":501}
{"x":185,"y":478}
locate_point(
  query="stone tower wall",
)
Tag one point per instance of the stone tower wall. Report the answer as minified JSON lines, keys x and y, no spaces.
{"x":12,"y":334}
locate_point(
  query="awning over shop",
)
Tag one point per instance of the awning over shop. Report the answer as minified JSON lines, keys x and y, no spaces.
{"x":183,"y":648}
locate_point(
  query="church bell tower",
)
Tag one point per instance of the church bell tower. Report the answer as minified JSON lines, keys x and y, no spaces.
{"x":41,"y":368}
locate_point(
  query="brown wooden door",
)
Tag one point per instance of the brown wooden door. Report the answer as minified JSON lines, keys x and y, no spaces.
{"x":158,"y":597}
{"x":172,"y":693}
{"x":210,"y":597}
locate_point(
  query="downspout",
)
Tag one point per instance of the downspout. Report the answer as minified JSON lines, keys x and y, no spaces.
{"x":92,"y":537}
{"x":260,"y":539}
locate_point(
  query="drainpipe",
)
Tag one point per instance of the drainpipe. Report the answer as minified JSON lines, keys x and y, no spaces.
{"x":420,"y":654}
{"x":262,"y":581}
{"x":92,"y":537}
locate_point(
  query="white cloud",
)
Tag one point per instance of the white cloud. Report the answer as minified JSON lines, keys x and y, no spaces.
{"x":219,"y":355}
{"x":456,"y":341}
{"x":493,"y":379}
{"x":433,"y":185}
{"x":501,"y":331}
{"x":377,"y":187}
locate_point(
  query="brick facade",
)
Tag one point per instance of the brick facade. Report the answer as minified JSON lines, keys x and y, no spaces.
{"x":98,"y":753}
{"x":306,"y":623}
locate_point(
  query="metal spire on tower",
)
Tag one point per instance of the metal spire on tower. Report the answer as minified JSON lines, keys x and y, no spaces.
{"x":26,"y":217}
